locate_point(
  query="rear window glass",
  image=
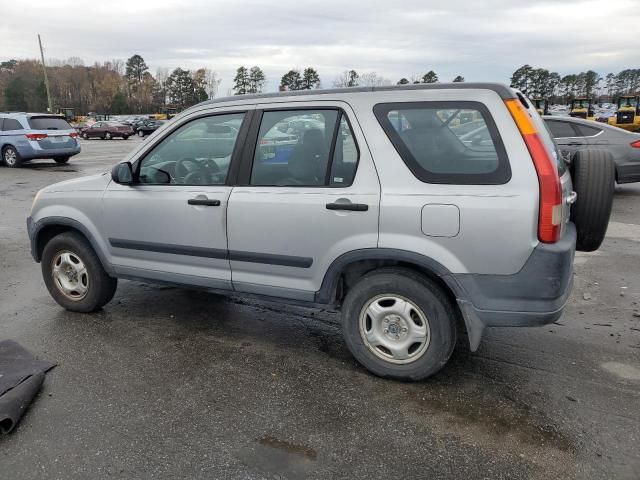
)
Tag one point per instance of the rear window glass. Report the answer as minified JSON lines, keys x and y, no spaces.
{"x":561,"y":129}
{"x":49,"y":123}
{"x":446,"y":142}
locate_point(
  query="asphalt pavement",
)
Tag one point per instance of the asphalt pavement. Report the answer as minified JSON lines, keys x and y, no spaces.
{"x":170,"y":383}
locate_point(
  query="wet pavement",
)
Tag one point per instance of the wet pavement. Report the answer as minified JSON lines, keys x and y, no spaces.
{"x":171,"y":383}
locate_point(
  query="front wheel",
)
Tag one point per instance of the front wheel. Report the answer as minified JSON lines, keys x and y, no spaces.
{"x":399,"y":324}
{"x":140,"y":133}
{"x":125,"y":137}
{"x":107,"y":136}
{"x":61,"y":159}
{"x":74,"y":275}
{"x":85,"y":136}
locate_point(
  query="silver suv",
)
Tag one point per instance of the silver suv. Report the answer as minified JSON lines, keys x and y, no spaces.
{"x":413,"y":209}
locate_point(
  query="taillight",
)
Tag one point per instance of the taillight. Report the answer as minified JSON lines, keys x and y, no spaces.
{"x":636,"y":144}
{"x":550,"y":211}
{"x":73,"y":134}
{"x":36,"y":136}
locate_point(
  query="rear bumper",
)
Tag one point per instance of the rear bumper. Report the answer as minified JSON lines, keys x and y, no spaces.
{"x":536,"y":295}
{"x":628,"y":172}
{"x":28,"y":152}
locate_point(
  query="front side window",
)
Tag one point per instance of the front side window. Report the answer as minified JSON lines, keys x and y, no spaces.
{"x":446,"y":142}
{"x":304,"y":148}
{"x":197,"y":153}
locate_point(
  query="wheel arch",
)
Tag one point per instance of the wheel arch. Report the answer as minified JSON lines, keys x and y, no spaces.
{"x":344,"y":272}
{"x":354,"y":264}
{"x":44,"y":230}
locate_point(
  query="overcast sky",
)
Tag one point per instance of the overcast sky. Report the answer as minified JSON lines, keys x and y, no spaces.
{"x":478,"y":39}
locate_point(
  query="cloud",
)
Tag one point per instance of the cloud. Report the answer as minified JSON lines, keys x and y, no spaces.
{"x":480,"y":40}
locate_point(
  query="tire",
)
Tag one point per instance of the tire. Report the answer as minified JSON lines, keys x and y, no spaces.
{"x":593,"y":174}
{"x":10,"y":157}
{"x":62,"y":159}
{"x":426,"y":303}
{"x":125,"y":137}
{"x":85,"y":136}
{"x":85,"y":292}
{"x":108,"y":136}
{"x":140,"y":133}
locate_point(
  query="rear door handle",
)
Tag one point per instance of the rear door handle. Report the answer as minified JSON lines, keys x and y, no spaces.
{"x":204,"y":201}
{"x":353,"y":207}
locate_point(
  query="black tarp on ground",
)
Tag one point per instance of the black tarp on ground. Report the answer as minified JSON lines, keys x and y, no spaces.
{"x":21,"y":376}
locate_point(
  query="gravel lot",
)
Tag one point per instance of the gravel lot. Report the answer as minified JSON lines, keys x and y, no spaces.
{"x":171,"y":383}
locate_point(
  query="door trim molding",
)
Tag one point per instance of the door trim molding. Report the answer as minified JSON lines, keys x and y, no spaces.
{"x":237,"y":256}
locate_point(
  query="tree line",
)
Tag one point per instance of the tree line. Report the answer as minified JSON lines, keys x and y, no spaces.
{"x":112,"y":87}
{"x":540,"y":82}
{"x":252,"y":80}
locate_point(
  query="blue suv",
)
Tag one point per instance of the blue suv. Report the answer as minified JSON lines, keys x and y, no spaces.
{"x":27,"y":136}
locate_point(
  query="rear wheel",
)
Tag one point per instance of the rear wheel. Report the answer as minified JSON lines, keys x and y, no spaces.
{"x":85,"y":136}
{"x":125,"y":137}
{"x":140,"y":133}
{"x":62,"y":159}
{"x":108,"y":136}
{"x":11,"y":157}
{"x":399,"y":324}
{"x":593,"y":176}
{"x":74,"y":275}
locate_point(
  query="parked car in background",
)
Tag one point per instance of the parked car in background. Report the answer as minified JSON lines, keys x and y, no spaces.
{"x":107,"y":131}
{"x":149,"y":126}
{"x":27,"y":136}
{"x":574,"y":134}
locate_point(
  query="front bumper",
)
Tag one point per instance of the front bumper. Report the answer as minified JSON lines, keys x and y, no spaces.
{"x":536,"y":295}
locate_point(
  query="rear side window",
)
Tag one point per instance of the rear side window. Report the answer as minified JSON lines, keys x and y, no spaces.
{"x":446,"y":142}
{"x":11,"y":124}
{"x":49,"y":123}
{"x":561,"y":129}
{"x":587,"y":131}
{"x":305,"y":148}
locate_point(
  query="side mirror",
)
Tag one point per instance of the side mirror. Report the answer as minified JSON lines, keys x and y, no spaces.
{"x":122,"y":173}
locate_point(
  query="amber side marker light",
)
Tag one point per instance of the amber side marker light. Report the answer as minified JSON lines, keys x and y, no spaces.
{"x":550,"y":211}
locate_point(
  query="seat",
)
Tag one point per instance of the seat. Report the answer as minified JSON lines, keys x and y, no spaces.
{"x":308,"y":161}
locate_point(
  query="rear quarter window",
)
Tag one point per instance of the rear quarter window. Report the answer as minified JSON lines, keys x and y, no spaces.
{"x":587,"y":131}
{"x":446,"y":142}
{"x":11,"y":124}
{"x":49,"y":123}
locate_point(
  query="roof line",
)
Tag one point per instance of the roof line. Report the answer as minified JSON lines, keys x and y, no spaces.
{"x":501,"y":89}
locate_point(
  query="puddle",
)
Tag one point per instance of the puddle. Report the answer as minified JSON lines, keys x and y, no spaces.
{"x":278,"y":457}
{"x":488,"y":419}
{"x":622,"y":370}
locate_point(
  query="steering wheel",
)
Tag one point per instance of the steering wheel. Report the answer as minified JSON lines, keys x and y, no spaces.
{"x":183,"y":168}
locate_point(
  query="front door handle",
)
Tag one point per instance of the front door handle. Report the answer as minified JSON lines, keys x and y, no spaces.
{"x":353,"y":207}
{"x":204,"y":201}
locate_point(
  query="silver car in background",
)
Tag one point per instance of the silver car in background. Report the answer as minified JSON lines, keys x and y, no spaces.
{"x":28,"y":136}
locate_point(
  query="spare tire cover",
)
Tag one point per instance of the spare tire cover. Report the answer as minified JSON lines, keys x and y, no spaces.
{"x":593,"y":176}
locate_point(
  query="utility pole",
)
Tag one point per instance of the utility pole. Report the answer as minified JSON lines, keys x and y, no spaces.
{"x":46,"y":79}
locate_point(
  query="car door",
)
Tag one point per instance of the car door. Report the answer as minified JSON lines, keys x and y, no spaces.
{"x":95,"y":130}
{"x":303,"y":199}
{"x":171,"y":223}
{"x":567,"y":137}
